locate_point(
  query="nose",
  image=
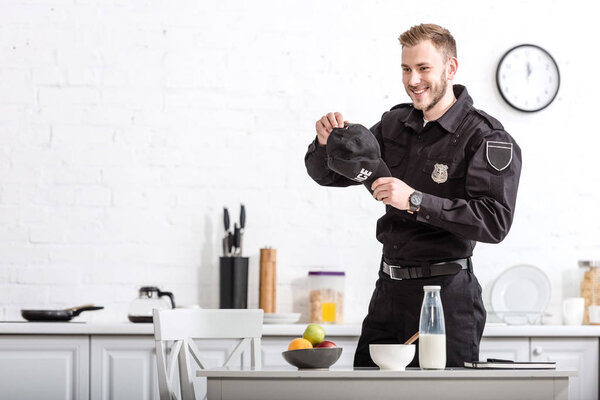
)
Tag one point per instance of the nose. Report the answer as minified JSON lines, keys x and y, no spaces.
{"x":413,"y":78}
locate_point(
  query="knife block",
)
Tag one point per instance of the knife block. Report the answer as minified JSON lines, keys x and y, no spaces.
{"x":233,"y":282}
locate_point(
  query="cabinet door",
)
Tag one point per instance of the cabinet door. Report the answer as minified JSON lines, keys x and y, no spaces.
{"x":123,"y":367}
{"x":44,"y":367}
{"x":273,"y":346}
{"x":572,"y":353}
{"x":516,"y":349}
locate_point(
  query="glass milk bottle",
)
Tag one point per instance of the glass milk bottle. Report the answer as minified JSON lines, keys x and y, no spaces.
{"x":432,"y":331}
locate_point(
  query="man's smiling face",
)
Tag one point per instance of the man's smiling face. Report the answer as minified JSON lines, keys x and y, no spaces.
{"x":424,"y":75}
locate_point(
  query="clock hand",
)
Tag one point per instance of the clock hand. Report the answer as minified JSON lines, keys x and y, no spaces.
{"x":528,"y":70}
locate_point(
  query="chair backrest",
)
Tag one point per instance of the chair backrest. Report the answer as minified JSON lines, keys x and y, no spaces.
{"x":182,"y":326}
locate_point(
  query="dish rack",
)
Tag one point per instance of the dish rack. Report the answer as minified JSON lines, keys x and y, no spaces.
{"x":521,"y":317}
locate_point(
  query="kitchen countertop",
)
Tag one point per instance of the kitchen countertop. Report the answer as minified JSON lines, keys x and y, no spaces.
{"x":333,"y":372}
{"x":128,"y":328}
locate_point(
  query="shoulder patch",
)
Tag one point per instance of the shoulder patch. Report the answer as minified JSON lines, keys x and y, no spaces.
{"x":499,"y":154}
{"x":402,"y":105}
{"x":491,"y":121}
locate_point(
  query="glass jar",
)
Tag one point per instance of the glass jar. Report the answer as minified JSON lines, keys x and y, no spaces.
{"x":590,"y":291}
{"x":326,"y":296}
{"x":432,"y":330}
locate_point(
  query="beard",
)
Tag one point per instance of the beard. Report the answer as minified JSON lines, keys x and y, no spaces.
{"x":438,"y":91}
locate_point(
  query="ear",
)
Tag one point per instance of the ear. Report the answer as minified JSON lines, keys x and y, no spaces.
{"x":451,"y":68}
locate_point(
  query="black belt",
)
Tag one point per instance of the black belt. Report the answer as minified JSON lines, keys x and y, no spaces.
{"x":399,"y":272}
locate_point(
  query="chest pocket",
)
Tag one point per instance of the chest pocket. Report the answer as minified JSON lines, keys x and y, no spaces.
{"x":393,"y":154}
{"x":443,"y":178}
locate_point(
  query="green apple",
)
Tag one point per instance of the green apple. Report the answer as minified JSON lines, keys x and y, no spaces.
{"x":314,"y":333}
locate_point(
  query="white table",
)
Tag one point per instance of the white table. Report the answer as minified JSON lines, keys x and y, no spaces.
{"x":460,"y":383}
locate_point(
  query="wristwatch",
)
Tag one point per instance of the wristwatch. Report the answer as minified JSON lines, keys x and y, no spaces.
{"x":414,"y":201}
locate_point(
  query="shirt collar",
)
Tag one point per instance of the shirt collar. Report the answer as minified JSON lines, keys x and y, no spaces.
{"x":451,"y":118}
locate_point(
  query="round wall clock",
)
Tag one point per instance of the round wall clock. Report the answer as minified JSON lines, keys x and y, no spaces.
{"x":528,"y":78}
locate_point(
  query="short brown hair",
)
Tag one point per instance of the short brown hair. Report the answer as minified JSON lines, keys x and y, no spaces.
{"x":440,"y":37}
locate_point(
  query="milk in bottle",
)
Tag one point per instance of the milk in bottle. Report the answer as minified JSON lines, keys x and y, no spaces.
{"x":432,"y":332}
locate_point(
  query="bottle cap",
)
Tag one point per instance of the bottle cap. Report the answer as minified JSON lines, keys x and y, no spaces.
{"x":437,"y":287}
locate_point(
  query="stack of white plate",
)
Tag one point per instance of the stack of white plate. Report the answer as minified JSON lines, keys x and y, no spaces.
{"x":281,"y":318}
{"x":521,"y":294}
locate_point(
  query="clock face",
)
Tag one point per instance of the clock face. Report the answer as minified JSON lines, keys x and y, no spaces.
{"x":528,"y":78}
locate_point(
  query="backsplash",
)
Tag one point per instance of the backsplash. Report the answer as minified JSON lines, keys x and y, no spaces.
{"x":122,"y":141}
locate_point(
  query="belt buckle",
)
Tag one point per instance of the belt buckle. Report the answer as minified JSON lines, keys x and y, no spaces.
{"x":393,"y":275}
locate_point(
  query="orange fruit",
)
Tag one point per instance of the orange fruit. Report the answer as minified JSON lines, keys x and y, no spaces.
{"x":300,"y":343}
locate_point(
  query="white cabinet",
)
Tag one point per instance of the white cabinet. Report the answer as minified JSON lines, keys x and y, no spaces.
{"x":44,"y":367}
{"x":112,"y":366}
{"x":573,"y":353}
{"x":579,"y":353}
{"x":516,"y":349}
{"x":123,"y":368}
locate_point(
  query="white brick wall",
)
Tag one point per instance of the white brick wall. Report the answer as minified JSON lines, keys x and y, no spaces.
{"x":126,"y":126}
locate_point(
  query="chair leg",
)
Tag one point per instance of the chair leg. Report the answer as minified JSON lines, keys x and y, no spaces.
{"x":185,"y":380}
{"x":164,"y":385}
{"x":255,"y":354}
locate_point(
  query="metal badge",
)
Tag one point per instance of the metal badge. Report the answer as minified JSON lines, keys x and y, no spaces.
{"x":440,"y":173}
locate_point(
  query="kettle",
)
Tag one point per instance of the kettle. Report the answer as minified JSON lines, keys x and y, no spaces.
{"x":149,"y":298}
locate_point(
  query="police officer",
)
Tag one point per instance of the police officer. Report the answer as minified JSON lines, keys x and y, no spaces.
{"x":455,"y":174}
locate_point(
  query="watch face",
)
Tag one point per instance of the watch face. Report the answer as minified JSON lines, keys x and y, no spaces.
{"x":528,"y":78}
{"x":415,"y":198}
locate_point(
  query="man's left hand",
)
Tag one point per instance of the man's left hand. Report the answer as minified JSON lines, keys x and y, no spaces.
{"x":392,"y":191}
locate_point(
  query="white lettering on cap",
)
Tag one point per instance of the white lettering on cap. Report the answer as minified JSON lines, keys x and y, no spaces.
{"x":363,"y":175}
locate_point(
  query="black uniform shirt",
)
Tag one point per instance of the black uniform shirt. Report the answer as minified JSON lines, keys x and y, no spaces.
{"x":465,"y":164}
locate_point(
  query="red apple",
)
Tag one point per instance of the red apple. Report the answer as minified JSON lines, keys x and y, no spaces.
{"x":326,"y":343}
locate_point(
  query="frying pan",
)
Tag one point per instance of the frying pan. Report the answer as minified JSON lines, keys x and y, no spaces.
{"x":57,"y":315}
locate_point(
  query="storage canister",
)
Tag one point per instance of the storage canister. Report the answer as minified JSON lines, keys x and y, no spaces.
{"x":590,"y":291}
{"x":326,"y":296}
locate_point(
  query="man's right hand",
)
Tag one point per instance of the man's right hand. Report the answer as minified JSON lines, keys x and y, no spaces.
{"x":326,"y":124}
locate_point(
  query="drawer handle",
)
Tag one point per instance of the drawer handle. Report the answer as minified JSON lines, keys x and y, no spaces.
{"x":538,"y":351}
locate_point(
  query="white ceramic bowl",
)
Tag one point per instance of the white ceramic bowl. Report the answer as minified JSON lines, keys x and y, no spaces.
{"x":392,"y":357}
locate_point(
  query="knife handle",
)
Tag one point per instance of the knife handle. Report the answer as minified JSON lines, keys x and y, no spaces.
{"x":229,"y":243}
{"x":225,"y":246}
{"x":236,"y":238}
{"x":242,"y":217}
{"x":226,"y":218}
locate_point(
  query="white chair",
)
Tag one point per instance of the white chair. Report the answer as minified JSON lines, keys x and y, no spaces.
{"x":183,"y":325}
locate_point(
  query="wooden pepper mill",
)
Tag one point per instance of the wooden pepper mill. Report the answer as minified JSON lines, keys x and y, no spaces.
{"x":268,"y":280}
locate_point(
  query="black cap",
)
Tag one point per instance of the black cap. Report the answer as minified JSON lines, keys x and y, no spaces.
{"x":354,"y":152}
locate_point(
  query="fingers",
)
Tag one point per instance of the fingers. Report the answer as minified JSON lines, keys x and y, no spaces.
{"x":335,"y":120}
{"x":339,"y":119}
{"x":322,"y":129}
{"x":332,"y":120}
{"x":381,"y":181}
{"x":381,"y":192}
{"x":381,"y":195}
{"x":326,"y":124}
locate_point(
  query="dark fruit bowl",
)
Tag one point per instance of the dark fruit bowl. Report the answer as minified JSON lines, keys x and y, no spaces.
{"x":318,"y":358}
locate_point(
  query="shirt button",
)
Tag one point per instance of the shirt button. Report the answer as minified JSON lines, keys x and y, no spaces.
{"x":427,"y":216}
{"x":395,"y":246}
{"x":454,"y":141}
